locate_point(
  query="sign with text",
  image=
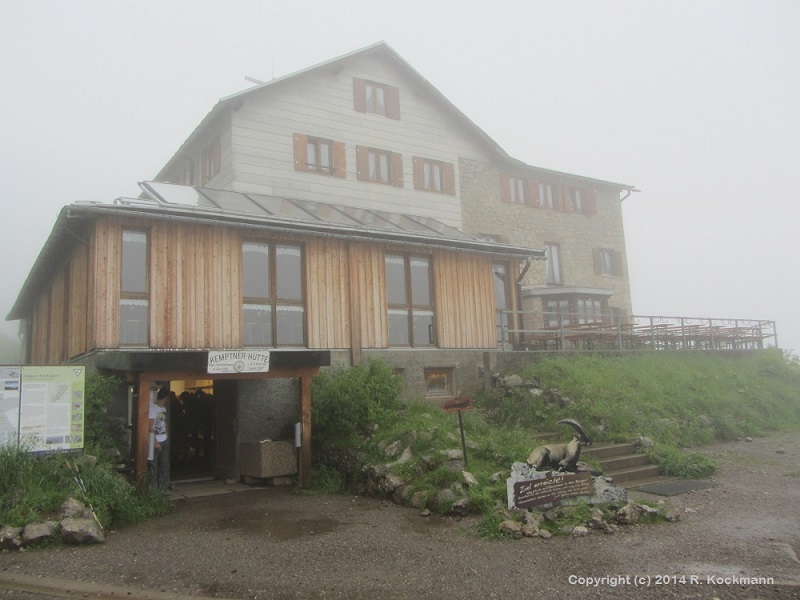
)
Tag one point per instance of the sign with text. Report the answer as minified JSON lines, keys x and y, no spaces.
{"x":52,"y":404}
{"x":252,"y":360}
{"x":552,"y":487}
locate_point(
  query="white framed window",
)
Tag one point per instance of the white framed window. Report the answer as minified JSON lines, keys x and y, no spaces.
{"x":553,"y":252}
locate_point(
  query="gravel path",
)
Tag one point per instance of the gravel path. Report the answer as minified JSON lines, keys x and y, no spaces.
{"x":271,"y":543}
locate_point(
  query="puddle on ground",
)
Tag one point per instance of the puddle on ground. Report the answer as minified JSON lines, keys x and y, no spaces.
{"x":278,"y":524}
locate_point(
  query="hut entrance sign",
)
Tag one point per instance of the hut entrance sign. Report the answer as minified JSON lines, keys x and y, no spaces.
{"x":238,"y":361}
{"x":43,"y":407}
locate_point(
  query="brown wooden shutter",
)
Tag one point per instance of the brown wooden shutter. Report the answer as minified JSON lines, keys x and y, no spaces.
{"x":300,"y":152}
{"x":505,"y":188}
{"x":362,"y":163}
{"x":339,"y":160}
{"x":559,"y":191}
{"x":394,"y":102}
{"x":449,"y":179}
{"x":590,"y":202}
{"x":617,"y":256}
{"x":360,"y":94}
{"x":216,"y":155}
{"x":397,"y":169}
{"x":533,"y":188}
{"x":419,"y":173}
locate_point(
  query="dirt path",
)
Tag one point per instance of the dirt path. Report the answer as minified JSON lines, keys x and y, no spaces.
{"x":271,"y":543}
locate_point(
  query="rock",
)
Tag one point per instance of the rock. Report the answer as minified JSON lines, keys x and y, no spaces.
{"x":512,"y":527}
{"x":81,"y":531}
{"x":495,"y":477}
{"x":629,"y":514}
{"x":567,"y":529}
{"x":529,"y":530}
{"x":580,"y":531}
{"x":460,"y":507}
{"x":405,"y":457}
{"x":425,"y":513}
{"x":469,"y":479}
{"x":512,"y":381}
{"x":644,"y":442}
{"x":544,"y":534}
{"x":454,"y":454}
{"x":748,"y":439}
{"x":597,"y":520}
{"x":393,"y":449}
{"x":10,"y":538}
{"x":402,"y":495}
{"x":418,"y":500}
{"x":672,"y":515}
{"x":780,"y":451}
{"x":75,"y":509}
{"x":34,"y":533}
{"x":390,"y":483}
{"x":532,"y":518}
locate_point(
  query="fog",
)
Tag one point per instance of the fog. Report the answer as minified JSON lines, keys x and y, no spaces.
{"x":695,"y":103}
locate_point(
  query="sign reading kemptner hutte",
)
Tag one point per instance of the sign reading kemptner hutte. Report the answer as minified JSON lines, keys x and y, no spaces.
{"x":252,"y":360}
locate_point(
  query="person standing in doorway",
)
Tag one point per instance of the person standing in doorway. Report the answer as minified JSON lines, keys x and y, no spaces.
{"x":159,"y":473}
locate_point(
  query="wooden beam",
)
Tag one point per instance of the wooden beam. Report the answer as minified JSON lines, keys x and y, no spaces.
{"x":142,"y":429}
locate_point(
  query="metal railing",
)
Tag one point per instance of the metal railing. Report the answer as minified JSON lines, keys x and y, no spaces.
{"x":579,"y":332}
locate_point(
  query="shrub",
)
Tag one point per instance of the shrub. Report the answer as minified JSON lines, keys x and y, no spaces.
{"x":105,"y":436}
{"x":345,"y":402}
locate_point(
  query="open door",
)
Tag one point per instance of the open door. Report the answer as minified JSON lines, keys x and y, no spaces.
{"x":225,"y":429}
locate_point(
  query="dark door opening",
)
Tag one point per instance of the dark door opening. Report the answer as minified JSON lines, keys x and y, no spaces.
{"x":191,"y":427}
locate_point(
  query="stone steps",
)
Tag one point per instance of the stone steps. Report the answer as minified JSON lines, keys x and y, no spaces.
{"x":623,"y":465}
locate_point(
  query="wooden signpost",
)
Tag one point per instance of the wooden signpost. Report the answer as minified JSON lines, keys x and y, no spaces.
{"x":459,"y":405}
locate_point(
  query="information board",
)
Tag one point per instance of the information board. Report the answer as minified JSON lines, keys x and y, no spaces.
{"x":51,"y":407}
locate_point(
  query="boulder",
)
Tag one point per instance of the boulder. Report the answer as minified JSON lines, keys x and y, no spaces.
{"x":81,"y":531}
{"x":34,"y":533}
{"x":75,"y":509}
{"x":10,"y":538}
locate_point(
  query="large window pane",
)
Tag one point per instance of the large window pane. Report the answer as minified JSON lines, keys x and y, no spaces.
{"x":133,"y":322}
{"x":255,"y":270}
{"x":423,"y":327}
{"x":134,"y":262}
{"x":398,"y":328}
{"x":395,"y":280}
{"x":420,"y":282}
{"x":290,"y":324}
{"x":289,"y":272}
{"x":257,"y":323}
{"x":500,"y":286}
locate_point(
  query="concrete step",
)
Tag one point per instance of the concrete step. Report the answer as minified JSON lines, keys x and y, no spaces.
{"x":635,"y":474}
{"x":608,"y":450}
{"x":633,"y":484}
{"x":625,"y":461}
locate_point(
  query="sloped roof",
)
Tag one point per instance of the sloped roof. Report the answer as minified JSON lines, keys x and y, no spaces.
{"x":165,"y":201}
{"x":382,"y":48}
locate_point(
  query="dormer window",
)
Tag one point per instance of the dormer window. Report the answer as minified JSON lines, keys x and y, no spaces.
{"x":376,"y":98}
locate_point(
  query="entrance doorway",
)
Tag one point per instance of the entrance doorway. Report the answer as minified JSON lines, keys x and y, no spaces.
{"x":191,"y":429}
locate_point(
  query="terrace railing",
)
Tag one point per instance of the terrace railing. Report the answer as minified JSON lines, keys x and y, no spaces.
{"x":574,"y":332}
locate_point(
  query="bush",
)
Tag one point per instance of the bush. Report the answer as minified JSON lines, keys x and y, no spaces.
{"x":345,"y":402}
{"x":34,"y":486}
{"x":105,"y":436}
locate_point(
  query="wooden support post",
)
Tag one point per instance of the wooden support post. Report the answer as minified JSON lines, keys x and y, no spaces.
{"x":142,"y":430}
{"x":304,"y":463}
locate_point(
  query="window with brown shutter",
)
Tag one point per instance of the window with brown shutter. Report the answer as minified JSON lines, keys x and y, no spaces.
{"x":210,"y":160}
{"x":607,"y":262}
{"x":434,"y":176}
{"x":379,"y":166}
{"x":376,"y":98}
{"x":319,"y":155}
{"x":518,"y":190}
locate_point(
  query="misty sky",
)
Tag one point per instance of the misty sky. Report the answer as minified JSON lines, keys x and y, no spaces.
{"x":696,"y":103}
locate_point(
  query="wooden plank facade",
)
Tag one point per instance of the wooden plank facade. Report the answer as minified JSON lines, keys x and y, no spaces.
{"x":195,"y":292}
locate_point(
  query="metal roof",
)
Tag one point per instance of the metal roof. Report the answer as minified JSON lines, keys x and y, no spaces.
{"x":166,"y":201}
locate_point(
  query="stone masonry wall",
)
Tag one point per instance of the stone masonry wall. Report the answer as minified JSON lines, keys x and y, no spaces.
{"x":578,"y":235}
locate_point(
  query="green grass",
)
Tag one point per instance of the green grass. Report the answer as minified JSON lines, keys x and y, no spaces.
{"x":33,"y":488}
{"x":679,"y":400}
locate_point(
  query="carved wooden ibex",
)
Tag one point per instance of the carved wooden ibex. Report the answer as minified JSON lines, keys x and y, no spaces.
{"x":563,"y":457}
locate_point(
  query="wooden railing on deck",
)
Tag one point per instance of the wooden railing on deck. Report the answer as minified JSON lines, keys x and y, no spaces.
{"x":573,"y":332}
